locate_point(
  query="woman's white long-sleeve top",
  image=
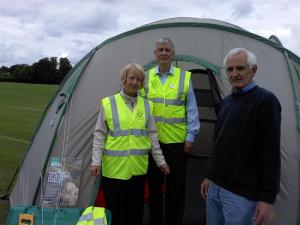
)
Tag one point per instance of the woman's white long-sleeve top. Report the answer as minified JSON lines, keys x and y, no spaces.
{"x":101,"y":131}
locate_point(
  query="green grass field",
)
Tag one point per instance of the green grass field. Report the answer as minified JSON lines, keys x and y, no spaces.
{"x":21,"y":107}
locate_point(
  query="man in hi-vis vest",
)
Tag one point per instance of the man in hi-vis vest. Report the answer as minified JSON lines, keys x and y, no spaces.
{"x":176,"y":117}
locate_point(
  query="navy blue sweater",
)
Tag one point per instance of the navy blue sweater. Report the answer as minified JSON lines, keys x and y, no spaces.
{"x":246,"y":153}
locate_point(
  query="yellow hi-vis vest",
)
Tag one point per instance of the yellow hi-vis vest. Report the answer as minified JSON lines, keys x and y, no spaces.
{"x":93,"y":216}
{"x":127,"y":144}
{"x":169,"y":100}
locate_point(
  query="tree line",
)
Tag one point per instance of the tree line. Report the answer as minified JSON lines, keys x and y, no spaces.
{"x":45,"y":71}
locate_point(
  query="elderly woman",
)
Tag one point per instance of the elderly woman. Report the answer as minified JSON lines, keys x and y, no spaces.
{"x":124,"y":135}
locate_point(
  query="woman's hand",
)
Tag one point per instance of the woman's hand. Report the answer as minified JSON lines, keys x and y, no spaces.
{"x":95,"y":170}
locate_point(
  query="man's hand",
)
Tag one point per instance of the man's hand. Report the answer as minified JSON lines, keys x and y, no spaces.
{"x":204,"y":188}
{"x":164,"y":169}
{"x":95,"y":170}
{"x":263,"y":214}
{"x":188,"y":147}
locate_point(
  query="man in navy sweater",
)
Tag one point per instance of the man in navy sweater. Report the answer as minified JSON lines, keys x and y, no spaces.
{"x":243,"y":174}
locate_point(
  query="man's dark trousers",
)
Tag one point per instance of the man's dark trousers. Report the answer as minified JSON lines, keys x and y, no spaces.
{"x":175,"y":190}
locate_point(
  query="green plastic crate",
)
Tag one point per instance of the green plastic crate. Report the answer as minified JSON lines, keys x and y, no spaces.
{"x":63,"y":216}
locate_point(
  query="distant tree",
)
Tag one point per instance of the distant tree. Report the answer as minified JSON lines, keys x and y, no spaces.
{"x":54,"y":64}
{"x":45,"y":70}
{"x":5,"y":74}
{"x":22,"y":72}
{"x":64,"y":67}
{"x":4,"y":69}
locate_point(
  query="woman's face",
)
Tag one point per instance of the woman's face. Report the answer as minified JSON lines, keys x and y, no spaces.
{"x":133,"y":82}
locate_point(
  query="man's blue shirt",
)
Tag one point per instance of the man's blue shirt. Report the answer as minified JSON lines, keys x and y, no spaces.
{"x":249,"y":87}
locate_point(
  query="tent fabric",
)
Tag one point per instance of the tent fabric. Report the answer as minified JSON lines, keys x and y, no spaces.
{"x":66,"y":129}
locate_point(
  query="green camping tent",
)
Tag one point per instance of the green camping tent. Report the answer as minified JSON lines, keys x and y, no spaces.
{"x":66,"y":129}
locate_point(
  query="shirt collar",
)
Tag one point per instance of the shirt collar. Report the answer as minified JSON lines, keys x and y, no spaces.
{"x":245,"y":89}
{"x":249,"y":87}
{"x":128,"y":98}
{"x":171,"y":71}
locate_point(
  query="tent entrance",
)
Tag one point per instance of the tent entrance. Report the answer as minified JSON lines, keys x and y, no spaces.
{"x":208,"y":99}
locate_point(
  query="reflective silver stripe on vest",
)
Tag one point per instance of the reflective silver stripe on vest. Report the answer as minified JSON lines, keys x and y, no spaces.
{"x":158,"y":119}
{"x":99,"y":221}
{"x":86,"y":217}
{"x":178,"y":102}
{"x":147,"y":112}
{"x":169,"y":120}
{"x":157,"y":100}
{"x":146,"y":86}
{"x":135,"y":132}
{"x":89,"y":217}
{"x":124,"y":153}
{"x":82,"y":218}
{"x":116,"y":122}
{"x":181,"y":84}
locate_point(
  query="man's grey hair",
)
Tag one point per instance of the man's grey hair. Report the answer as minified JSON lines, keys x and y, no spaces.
{"x":164,"y":40}
{"x":250,"y":56}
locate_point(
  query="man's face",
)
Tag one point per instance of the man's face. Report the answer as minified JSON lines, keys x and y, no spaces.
{"x":164,"y":53}
{"x":238,"y":72}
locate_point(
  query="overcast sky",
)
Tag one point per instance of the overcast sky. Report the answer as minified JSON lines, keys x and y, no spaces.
{"x":35,"y":29}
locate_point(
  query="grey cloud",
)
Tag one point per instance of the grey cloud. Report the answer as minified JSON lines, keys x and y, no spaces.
{"x":33,"y":29}
{"x":78,"y":18}
{"x":94,"y":23}
{"x":242,"y":9}
{"x":112,"y":1}
{"x":25,"y":11}
{"x":7,"y":54}
{"x":75,"y":58}
{"x":294,"y":40}
{"x":14,"y":53}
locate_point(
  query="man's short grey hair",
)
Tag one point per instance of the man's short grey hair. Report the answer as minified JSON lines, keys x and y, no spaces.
{"x":164,"y":40}
{"x":250,"y":56}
